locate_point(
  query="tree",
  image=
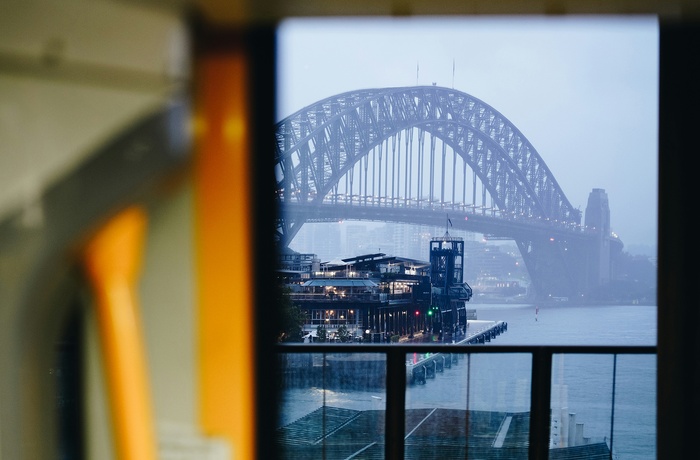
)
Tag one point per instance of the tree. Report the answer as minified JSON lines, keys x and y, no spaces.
{"x":634,"y":281}
{"x":321,"y":333}
{"x":343,"y":333}
{"x":292,"y":319}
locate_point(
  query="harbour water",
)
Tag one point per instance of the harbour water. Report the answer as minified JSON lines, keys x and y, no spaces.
{"x":582,"y":384}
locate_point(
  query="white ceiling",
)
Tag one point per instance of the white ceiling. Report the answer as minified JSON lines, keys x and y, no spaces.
{"x":73,"y":73}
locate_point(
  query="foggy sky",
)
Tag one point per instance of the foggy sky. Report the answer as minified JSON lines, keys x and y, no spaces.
{"x":583,"y":91}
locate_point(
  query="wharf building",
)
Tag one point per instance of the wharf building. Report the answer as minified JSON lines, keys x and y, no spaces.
{"x":380,"y":298}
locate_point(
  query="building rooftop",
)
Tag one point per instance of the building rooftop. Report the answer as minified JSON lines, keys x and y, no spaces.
{"x":343,"y":282}
{"x":332,"y":432}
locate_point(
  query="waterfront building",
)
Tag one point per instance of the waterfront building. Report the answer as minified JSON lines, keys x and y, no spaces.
{"x":374,"y":296}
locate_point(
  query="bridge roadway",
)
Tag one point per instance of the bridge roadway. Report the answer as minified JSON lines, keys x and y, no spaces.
{"x":557,"y":255}
{"x":424,"y":366}
{"x":462,"y":218}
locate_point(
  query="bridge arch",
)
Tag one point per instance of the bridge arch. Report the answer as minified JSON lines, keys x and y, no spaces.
{"x":330,"y":141}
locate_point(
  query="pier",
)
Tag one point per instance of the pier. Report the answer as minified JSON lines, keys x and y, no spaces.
{"x":422,"y":367}
{"x":367,"y":371}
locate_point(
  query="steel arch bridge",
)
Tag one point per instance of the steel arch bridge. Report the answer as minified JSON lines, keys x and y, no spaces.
{"x":413,"y":154}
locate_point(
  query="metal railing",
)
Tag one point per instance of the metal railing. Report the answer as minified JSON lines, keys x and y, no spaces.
{"x":396,"y":380}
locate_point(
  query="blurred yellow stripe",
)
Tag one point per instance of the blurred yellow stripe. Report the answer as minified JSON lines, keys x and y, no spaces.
{"x":113,"y":262}
{"x":223,"y":240}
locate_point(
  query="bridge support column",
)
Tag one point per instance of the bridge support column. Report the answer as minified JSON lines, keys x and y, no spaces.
{"x":598,"y":220}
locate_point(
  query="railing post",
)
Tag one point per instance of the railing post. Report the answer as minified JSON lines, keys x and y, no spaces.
{"x":540,"y":404}
{"x":395,"y":404}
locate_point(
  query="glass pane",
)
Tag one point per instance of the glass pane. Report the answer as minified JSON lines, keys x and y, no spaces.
{"x":527,"y":147}
{"x":634,"y":433}
{"x":602,"y":403}
{"x":534,"y":140}
{"x":467,"y":405}
{"x":332,"y":405}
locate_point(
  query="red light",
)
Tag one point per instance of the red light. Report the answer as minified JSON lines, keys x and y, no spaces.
{"x":417,"y":312}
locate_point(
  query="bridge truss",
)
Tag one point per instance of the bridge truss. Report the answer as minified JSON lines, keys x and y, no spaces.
{"x":410,"y":154}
